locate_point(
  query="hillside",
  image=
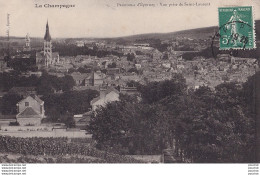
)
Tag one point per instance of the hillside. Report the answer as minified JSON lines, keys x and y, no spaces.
{"x":194,"y":33}
{"x":199,"y":33}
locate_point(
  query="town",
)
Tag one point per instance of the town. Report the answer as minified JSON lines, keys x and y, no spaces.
{"x":53,"y":87}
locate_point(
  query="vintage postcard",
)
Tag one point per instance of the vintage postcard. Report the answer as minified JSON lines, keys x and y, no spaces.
{"x":129,"y":81}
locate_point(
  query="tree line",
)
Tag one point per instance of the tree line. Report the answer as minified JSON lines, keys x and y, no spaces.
{"x":60,"y":102}
{"x":44,"y":84}
{"x":62,"y":107}
{"x":73,"y":50}
{"x":201,"y":125}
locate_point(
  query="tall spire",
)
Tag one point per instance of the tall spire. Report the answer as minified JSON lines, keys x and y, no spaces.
{"x":47,"y":36}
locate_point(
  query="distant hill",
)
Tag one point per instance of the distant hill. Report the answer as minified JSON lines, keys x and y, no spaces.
{"x":193,"y":33}
{"x":19,"y":42}
{"x":199,"y":33}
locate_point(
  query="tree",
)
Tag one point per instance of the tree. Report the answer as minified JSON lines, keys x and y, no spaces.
{"x":250,"y":93}
{"x":14,"y":78}
{"x":130,"y":57}
{"x":71,"y":70}
{"x":129,"y":126}
{"x":67,"y":103}
{"x":138,"y":52}
{"x":165,"y":56}
{"x":107,"y":125}
{"x":49,"y":84}
{"x":112,"y":65}
{"x":155,"y":91}
{"x":69,"y":121}
{"x":210,"y":128}
{"x":67,"y":83}
{"x":22,"y":65}
{"x":45,"y":84}
{"x":9,"y":102}
{"x":201,"y":125}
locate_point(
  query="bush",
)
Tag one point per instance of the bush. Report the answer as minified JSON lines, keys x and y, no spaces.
{"x":14,"y":123}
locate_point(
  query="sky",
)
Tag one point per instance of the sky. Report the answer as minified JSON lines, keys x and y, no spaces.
{"x":104,"y":18}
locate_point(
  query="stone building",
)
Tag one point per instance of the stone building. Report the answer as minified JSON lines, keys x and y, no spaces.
{"x":30,"y":111}
{"x":46,"y":58}
{"x":107,"y":95}
{"x":94,"y":79}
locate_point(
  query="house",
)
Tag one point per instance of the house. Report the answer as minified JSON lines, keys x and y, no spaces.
{"x":180,"y":66}
{"x":166,"y":65}
{"x":128,"y":90}
{"x":138,"y":66}
{"x":30,"y":111}
{"x":235,"y":60}
{"x":112,"y":71}
{"x":107,"y":95}
{"x":37,"y":74}
{"x":80,"y":43}
{"x":94,"y":79}
{"x":42,"y":61}
{"x":79,"y":78}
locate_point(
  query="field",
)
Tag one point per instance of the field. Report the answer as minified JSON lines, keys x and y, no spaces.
{"x":56,"y":150}
{"x":19,"y":158}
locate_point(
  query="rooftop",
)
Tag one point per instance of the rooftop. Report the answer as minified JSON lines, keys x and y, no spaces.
{"x":105,"y":91}
{"x":47,"y":36}
{"x":29,"y":112}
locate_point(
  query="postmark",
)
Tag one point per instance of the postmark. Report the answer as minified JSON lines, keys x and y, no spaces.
{"x":236,"y":28}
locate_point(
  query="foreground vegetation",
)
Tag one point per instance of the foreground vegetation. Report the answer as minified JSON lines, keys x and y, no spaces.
{"x":59,"y":107}
{"x":59,"y":149}
{"x":202,"y":125}
{"x":18,"y":158}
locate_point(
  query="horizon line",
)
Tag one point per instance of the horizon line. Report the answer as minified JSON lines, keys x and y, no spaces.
{"x":124,"y":36}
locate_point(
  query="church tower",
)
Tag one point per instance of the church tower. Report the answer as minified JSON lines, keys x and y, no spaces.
{"x":27,"y":46}
{"x":47,"y":58}
{"x":27,"y":41}
{"x":47,"y":51}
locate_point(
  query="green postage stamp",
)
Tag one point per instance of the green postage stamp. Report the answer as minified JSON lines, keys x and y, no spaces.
{"x":236,"y":28}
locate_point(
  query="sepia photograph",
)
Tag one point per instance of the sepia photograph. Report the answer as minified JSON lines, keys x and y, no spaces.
{"x":129,"y":81}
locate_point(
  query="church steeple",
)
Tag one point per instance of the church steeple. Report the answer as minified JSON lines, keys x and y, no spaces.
{"x":27,"y":41}
{"x":47,"y":36}
{"x":47,"y":50}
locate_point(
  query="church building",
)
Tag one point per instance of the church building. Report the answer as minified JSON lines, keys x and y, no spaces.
{"x":46,"y":58}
